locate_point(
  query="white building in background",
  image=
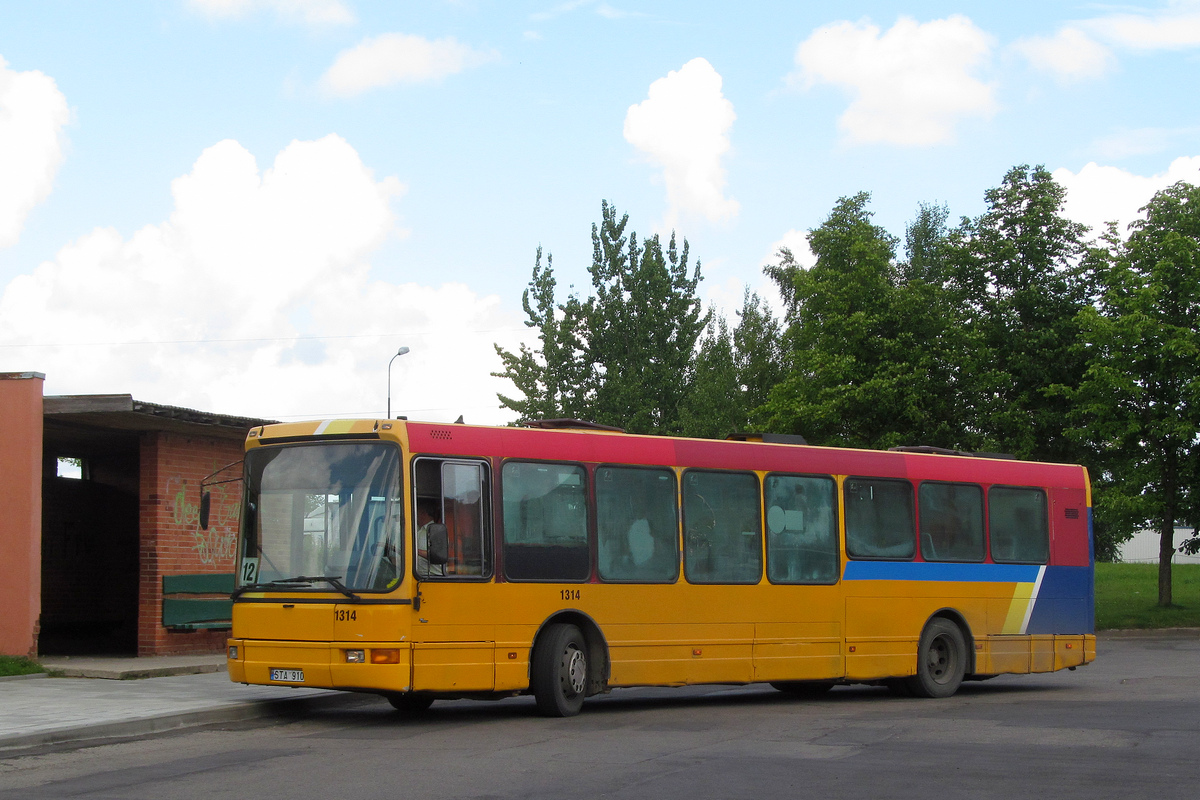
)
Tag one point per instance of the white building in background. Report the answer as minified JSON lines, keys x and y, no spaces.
{"x":1143,"y":548}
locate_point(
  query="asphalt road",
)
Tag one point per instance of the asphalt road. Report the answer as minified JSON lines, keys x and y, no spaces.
{"x":1126,"y":726}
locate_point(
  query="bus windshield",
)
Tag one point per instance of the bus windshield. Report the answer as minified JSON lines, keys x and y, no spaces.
{"x":323,"y":511}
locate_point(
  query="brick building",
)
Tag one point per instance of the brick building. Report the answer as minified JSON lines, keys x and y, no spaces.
{"x":99,"y":502}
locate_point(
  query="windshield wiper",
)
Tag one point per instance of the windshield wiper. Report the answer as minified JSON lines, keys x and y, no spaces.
{"x":300,"y":580}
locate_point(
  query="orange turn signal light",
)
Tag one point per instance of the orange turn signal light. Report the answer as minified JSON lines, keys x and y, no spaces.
{"x":386,"y":656}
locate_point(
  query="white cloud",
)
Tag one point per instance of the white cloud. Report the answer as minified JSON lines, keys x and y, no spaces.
{"x":726,"y":296}
{"x":392,"y":58}
{"x":312,"y":12}
{"x":910,"y":86}
{"x":255,"y":297}
{"x":683,"y":127}
{"x":1176,"y":26}
{"x":33,"y":114}
{"x":1070,"y":55}
{"x":1097,"y":194}
{"x":797,"y":242}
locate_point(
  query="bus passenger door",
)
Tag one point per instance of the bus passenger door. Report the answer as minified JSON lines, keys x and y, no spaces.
{"x":453,"y":640}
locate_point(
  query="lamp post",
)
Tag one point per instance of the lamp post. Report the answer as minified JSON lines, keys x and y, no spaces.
{"x":399,"y":353}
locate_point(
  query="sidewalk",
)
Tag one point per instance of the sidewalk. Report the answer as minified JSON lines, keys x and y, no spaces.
{"x":39,"y":710}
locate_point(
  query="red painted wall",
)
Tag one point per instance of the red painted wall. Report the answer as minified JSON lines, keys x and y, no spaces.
{"x":20,"y":512}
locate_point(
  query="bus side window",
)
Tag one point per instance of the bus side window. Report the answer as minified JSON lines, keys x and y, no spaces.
{"x":545,"y":514}
{"x":879,"y":518}
{"x":637,"y":524}
{"x":722,"y":533}
{"x":1018,"y":526}
{"x":951,"y":521}
{"x":454,"y":494}
{"x":801,"y":529}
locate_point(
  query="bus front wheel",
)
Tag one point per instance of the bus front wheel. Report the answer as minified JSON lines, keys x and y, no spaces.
{"x":941,"y":660}
{"x":560,"y":671}
{"x":410,"y":703}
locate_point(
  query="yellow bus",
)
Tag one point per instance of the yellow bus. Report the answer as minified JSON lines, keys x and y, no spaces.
{"x":424,"y":561}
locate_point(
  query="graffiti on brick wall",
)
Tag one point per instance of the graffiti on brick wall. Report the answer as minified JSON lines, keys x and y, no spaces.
{"x":218,"y":544}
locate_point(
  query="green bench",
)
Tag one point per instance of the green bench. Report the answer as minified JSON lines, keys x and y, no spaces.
{"x":187,"y":603}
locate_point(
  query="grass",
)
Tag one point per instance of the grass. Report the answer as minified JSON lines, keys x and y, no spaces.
{"x":1127,"y":597}
{"x":18,"y":665}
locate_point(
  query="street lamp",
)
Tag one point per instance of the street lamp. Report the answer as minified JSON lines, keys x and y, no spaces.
{"x":399,"y":353}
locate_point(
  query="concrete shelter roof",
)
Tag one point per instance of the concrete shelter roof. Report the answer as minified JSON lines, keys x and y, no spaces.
{"x":122,"y":412}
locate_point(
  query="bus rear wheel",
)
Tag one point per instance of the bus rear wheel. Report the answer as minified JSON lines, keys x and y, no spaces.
{"x":560,"y":671}
{"x":941,"y":660}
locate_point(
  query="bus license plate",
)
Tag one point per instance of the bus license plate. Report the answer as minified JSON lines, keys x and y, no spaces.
{"x":288,"y":675}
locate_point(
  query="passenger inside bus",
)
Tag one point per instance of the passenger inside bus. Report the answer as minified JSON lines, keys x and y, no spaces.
{"x":428,"y":513}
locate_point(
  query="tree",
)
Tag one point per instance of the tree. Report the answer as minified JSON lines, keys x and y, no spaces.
{"x":1140,"y":395}
{"x":927,"y":243}
{"x":733,"y":372}
{"x":552,"y":376}
{"x":757,"y":354}
{"x":715,"y":405}
{"x":641,"y":327}
{"x":1018,"y":271}
{"x":865,"y":366}
{"x":624,"y":356}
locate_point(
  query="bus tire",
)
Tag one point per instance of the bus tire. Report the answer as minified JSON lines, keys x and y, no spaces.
{"x":410,"y":703}
{"x":560,"y":671}
{"x":941,"y":660}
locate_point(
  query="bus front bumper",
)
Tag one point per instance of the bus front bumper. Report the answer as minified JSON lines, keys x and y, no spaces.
{"x":377,"y":666}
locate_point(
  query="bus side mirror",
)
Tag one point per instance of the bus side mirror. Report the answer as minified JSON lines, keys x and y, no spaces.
{"x":205,"y":504}
{"x":437,"y":543}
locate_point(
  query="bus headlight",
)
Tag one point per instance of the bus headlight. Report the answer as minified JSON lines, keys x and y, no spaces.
{"x":356,"y":656}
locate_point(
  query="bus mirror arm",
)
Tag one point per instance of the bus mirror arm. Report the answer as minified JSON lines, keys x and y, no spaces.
{"x":206,"y":496}
{"x":437,"y":543}
{"x":205,"y":505}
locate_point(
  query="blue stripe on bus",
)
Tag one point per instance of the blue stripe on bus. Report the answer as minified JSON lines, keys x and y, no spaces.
{"x":926,"y":571}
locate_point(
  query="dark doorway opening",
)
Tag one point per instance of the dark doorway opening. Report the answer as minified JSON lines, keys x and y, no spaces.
{"x":90,"y":536}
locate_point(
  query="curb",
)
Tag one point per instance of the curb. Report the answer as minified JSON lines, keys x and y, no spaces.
{"x":24,"y":677}
{"x":287,"y":707}
{"x":1148,"y":633}
{"x":136,"y":674}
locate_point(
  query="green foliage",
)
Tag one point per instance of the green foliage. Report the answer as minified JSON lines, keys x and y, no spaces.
{"x":758,"y":354}
{"x":640,"y":328}
{"x":1139,"y":401}
{"x":870,"y":343}
{"x":1019,"y":272}
{"x":623,"y":357}
{"x":714,"y":406}
{"x":1127,"y":597}
{"x":19,"y":665}
{"x":551,"y":377}
{"x":734,"y":372}
{"x":927,"y":245}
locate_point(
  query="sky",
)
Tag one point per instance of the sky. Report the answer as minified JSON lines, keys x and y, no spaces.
{"x":248,"y":206}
